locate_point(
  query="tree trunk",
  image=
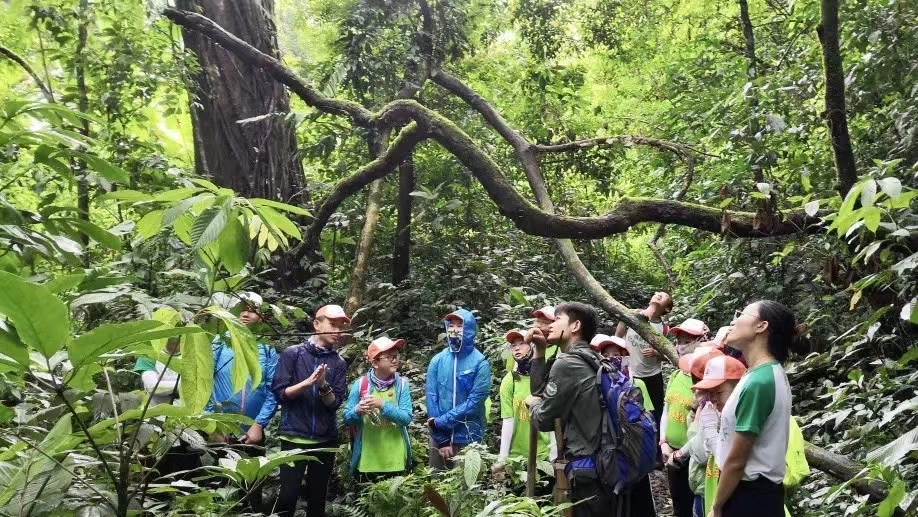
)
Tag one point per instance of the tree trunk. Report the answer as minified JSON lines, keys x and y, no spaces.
{"x":242,"y":134}
{"x":401,"y":254}
{"x":358,"y":281}
{"x":835,"y":113}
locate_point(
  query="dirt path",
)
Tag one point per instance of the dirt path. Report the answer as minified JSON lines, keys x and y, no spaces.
{"x":660,"y":487}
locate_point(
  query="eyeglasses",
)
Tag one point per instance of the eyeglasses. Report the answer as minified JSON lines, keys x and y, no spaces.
{"x":390,"y":358}
{"x":737,"y":314}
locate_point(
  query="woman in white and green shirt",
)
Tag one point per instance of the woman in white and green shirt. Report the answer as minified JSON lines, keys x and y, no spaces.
{"x":753,"y":439}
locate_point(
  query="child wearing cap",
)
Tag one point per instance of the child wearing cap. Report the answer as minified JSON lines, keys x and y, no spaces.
{"x":677,"y":408}
{"x":310,"y":384}
{"x":617,"y":351}
{"x":515,"y":416}
{"x":379,"y":409}
{"x":721,"y":375}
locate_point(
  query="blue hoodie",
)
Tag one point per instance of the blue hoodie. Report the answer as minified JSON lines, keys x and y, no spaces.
{"x":458,"y":382}
{"x":399,"y":413}
{"x":257,"y":403}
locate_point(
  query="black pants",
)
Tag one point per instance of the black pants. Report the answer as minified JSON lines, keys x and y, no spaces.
{"x":679,"y":490}
{"x":640,"y":500}
{"x":757,"y":498}
{"x":657,"y":393}
{"x":318,"y":473}
{"x":596,"y":501}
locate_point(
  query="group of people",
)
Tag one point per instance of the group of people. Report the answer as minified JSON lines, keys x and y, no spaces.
{"x":727,"y":441}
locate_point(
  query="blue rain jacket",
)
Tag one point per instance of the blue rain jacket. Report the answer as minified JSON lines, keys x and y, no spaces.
{"x":458,"y":382}
{"x":399,"y":414}
{"x":257,"y":403}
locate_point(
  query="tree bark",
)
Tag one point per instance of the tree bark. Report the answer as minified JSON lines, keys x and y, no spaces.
{"x":835,"y":114}
{"x":845,"y":469}
{"x":401,"y":250}
{"x":83,"y":106}
{"x":240,"y":112}
{"x":358,"y":282}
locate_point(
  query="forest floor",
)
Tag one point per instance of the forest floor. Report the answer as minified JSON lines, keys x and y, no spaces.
{"x":660,"y":487}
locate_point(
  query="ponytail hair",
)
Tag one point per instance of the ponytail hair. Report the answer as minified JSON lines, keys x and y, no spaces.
{"x":785,"y":335}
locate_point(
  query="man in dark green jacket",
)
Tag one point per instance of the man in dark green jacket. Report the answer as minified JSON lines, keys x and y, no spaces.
{"x":571,"y":395}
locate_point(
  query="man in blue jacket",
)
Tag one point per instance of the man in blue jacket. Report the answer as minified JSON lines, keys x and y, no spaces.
{"x":310,"y":384}
{"x":458,"y":382}
{"x":255,"y":402}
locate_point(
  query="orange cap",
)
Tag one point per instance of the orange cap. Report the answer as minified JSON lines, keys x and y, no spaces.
{"x":382,"y":344}
{"x":719,"y":370}
{"x":333,"y":312}
{"x":601,"y":341}
{"x":513,"y":335}
{"x":699,"y":363}
{"x":547,"y":312}
{"x":685,"y":362}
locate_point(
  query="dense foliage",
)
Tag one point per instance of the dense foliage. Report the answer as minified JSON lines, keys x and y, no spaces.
{"x":112,"y":243}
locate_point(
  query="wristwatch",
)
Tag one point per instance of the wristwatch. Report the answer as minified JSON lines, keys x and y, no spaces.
{"x":324,"y":389}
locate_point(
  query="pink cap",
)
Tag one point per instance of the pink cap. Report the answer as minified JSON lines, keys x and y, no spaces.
{"x":333,"y":312}
{"x":601,"y":341}
{"x":692,"y":327}
{"x":547,"y":312}
{"x":382,"y":344}
{"x":513,"y":335}
{"x":719,"y":370}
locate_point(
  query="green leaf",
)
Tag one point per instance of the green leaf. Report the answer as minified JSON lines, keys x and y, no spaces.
{"x":244,"y":345}
{"x":181,"y":208}
{"x":893,"y":498}
{"x":42,"y":320}
{"x":258,"y":202}
{"x":104,"y":168}
{"x":893,"y":452}
{"x":64,"y":283}
{"x":868,"y":192}
{"x":233,"y":246}
{"x":279,"y":221}
{"x":12,"y":347}
{"x":892,"y":187}
{"x":130,"y":196}
{"x":872,"y":218}
{"x":169,"y":317}
{"x":103,"y":237}
{"x":170,"y":196}
{"x":104,"y":339}
{"x":197,"y":375}
{"x":471,"y":467}
{"x":208,"y":225}
{"x":150,"y":224}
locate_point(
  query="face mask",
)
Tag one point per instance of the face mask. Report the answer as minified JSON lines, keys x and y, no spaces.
{"x":620,"y":363}
{"x":454,"y":338}
{"x":682,"y":349}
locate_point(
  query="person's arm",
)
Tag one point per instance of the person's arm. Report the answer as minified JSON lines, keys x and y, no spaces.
{"x":538,"y":374}
{"x":732,"y":471}
{"x":152,"y":381}
{"x":480,"y":390}
{"x":559,"y":396}
{"x":506,"y":439}
{"x":433,"y":397}
{"x":333,"y":391}
{"x":401,"y":412}
{"x":664,"y":445}
{"x":351,"y":417}
{"x":268,"y":368}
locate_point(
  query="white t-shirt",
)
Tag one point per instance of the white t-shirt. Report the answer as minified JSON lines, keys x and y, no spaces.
{"x":760,"y":405}
{"x":643,"y":366}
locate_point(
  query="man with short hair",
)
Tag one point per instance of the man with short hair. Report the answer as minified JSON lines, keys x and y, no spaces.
{"x":310,"y":384}
{"x":458,"y":382}
{"x":571,"y":396}
{"x":543,"y":353}
{"x":646,"y":361}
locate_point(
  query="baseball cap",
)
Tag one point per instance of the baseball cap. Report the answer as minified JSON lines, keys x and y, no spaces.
{"x":333,"y":312}
{"x":692,"y":327}
{"x":685,"y":362}
{"x":383,"y":344}
{"x":454,"y":316}
{"x":699,"y":364}
{"x":547,"y":312}
{"x":718,"y":370}
{"x":601,"y":341}
{"x":513,"y":335}
{"x":230,"y":300}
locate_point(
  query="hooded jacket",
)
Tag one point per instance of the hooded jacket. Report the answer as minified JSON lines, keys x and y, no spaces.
{"x":307,"y":416}
{"x":258,"y":402}
{"x":458,"y":382}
